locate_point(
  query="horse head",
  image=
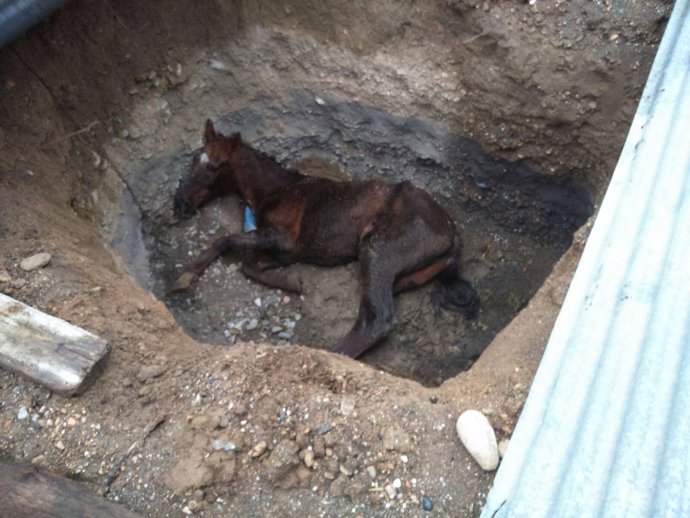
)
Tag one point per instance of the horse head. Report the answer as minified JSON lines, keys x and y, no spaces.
{"x":212,"y":175}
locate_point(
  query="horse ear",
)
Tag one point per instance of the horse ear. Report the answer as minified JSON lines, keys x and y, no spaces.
{"x":236,"y":137}
{"x":209,"y":132}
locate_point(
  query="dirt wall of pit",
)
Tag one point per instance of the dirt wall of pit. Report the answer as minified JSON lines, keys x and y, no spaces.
{"x":554,"y":85}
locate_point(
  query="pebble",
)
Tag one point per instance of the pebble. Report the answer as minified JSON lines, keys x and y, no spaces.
{"x":324,"y":428}
{"x":60,"y":445}
{"x":390,"y":491}
{"x":35,"y":261}
{"x":253,"y":324}
{"x":151,"y":371}
{"x":345,"y":470}
{"x":5,"y":277}
{"x":216,"y":64}
{"x":258,"y":449}
{"x":23,"y":413}
{"x":284,"y":335}
{"x":347,"y":405}
{"x":225,"y":446}
{"x":478,"y":437}
{"x":427,"y":504}
{"x":397,"y":483}
{"x":308,"y":458}
{"x":371,"y":470}
{"x":502,"y":447}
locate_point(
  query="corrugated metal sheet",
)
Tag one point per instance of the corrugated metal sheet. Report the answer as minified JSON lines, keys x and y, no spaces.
{"x":606,"y":427}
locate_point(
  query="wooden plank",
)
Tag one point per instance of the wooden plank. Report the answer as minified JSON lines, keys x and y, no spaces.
{"x":50,"y":351}
{"x":29,"y":492}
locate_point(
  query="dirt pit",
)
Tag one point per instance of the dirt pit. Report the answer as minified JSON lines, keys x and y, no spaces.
{"x":515,"y":223}
{"x":512,"y":115}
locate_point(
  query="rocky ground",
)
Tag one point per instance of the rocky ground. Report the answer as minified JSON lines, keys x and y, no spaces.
{"x":173,"y":426}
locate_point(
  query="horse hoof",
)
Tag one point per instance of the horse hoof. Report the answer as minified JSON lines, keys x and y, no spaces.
{"x":183,"y":282}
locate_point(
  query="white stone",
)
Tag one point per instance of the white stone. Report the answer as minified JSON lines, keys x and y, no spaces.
{"x":502,"y":447}
{"x":35,"y":261}
{"x":479,"y":438}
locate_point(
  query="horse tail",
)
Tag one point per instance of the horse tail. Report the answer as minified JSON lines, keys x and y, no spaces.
{"x":452,"y":292}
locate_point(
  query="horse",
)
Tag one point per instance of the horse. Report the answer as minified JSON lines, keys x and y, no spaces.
{"x":400,"y":235}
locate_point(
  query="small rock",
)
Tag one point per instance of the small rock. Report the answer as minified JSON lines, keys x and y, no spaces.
{"x":257,"y":302}
{"x":38,"y":459}
{"x":347,"y":405}
{"x":308,"y":458}
{"x":35,"y":261}
{"x":23,"y":413}
{"x":151,"y":371}
{"x":390,"y":491}
{"x":282,"y":460}
{"x":60,"y":445}
{"x":330,"y":475}
{"x":285,"y":335}
{"x":258,"y":449}
{"x":478,"y":437}
{"x":186,"y":510}
{"x":229,"y":446}
{"x":224,"y":421}
{"x":397,"y":483}
{"x":5,"y":277}
{"x":199,"y":495}
{"x":345,"y":470}
{"x":253,"y":324}
{"x":71,"y":421}
{"x":502,"y":447}
{"x":216,"y":64}
{"x":371,"y":470}
{"x":427,"y":504}
{"x":193,"y":505}
{"x":324,"y":428}
{"x":319,"y":101}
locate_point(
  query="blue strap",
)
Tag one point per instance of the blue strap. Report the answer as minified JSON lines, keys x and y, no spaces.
{"x":249,"y":224}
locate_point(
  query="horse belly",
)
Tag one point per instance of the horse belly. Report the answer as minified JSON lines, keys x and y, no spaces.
{"x":329,"y":243}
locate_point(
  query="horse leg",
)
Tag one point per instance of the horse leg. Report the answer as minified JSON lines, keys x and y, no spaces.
{"x":273,"y":275}
{"x":375,"y":317}
{"x":261,"y":240}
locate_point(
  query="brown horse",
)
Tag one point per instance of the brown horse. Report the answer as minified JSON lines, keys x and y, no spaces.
{"x":400,"y":235}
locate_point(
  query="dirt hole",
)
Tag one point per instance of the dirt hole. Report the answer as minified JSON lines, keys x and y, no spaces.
{"x":514,"y":222}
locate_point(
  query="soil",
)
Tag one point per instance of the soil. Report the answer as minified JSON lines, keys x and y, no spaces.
{"x":511,"y":114}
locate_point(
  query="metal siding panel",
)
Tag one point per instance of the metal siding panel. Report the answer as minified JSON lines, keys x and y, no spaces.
{"x":606,"y":428}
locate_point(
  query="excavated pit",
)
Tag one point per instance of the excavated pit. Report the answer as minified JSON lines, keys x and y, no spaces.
{"x":512,"y":114}
{"x":515,"y":223}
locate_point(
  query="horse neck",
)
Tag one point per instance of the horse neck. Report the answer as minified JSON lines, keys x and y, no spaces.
{"x":259,"y":176}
